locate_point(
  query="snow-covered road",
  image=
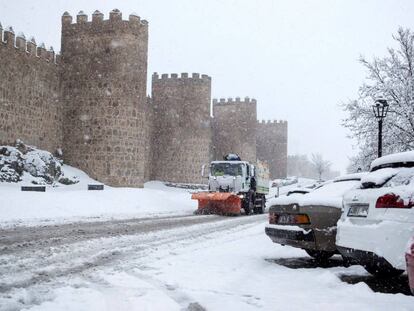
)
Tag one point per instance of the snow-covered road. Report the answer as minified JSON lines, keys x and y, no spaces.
{"x":175,"y":263}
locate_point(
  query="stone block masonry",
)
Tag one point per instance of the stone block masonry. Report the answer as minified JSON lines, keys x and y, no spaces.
{"x":104,"y":93}
{"x":272,"y":146}
{"x":92,"y":102}
{"x":235,"y":128}
{"x":182,"y":126}
{"x":30,"y":102}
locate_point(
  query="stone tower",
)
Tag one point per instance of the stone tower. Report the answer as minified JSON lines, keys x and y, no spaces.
{"x":272,"y":146}
{"x":104,"y":92}
{"x":182,"y":126}
{"x":235,"y":128}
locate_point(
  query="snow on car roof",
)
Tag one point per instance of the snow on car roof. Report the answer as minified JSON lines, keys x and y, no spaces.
{"x":330,"y":194}
{"x":401,"y":157}
{"x":355,"y":176}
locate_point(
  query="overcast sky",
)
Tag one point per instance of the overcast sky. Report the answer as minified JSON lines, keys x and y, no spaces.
{"x":297,"y":58}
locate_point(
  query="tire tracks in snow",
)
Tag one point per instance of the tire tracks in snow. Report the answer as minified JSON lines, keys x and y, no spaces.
{"x":18,"y":239}
{"x":47,"y":259}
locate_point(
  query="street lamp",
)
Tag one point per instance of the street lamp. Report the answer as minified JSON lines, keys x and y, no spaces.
{"x":380,"y":111}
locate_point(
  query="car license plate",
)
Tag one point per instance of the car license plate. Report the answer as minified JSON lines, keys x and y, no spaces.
{"x":286,"y":219}
{"x":360,"y":210}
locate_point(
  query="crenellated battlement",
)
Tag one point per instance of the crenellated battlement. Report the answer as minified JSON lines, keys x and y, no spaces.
{"x":270,"y":122}
{"x":19,"y":43}
{"x":97,"y":22}
{"x":95,"y":106}
{"x":182,"y":76}
{"x":237,"y":100}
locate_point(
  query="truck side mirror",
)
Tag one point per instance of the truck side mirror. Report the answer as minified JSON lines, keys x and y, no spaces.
{"x":205,"y":170}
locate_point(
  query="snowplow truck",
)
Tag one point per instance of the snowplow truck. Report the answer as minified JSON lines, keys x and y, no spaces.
{"x":233,"y":186}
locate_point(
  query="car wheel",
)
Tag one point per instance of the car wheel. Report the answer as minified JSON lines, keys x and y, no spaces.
{"x":320,"y":255}
{"x":385,"y":271}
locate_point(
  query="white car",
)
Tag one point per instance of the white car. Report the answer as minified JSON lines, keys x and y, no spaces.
{"x":378,"y":218}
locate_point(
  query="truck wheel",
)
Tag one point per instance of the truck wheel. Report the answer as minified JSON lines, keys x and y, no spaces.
{"x":248,"y":208}
{"x":262,"y":206}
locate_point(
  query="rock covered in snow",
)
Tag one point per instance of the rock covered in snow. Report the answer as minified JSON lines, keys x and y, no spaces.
{"x":41,"y":165}
{"x":11,"y":164}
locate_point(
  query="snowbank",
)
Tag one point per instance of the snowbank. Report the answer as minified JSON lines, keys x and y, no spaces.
{"x":67,"y":199}
{"x":68,"y":203}
{"x":74,"y":203}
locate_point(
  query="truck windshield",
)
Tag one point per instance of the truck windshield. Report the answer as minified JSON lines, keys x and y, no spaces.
{"x":220,"y":169}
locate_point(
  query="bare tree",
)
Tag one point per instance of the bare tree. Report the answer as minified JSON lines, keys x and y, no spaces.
{"x":392,"y":78}
{"x":321,"y":166}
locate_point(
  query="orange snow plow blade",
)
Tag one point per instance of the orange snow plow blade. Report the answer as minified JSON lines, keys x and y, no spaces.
{"x":220,"y":203}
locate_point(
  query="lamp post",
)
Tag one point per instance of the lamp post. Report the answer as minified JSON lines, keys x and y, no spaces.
{"x":380,"y":111}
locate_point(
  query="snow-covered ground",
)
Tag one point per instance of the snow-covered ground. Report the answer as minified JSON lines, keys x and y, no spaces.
{"x":225,"y":265}
{"x":68,"y":203}
{"x":129,"y":249}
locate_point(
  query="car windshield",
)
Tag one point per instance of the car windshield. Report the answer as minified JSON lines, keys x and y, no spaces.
{"x":388,"y":177}
{"x":220,"y":169}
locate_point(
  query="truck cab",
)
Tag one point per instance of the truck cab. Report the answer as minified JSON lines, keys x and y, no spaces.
{"x":233,"y":185}
{"x":230,"y":176}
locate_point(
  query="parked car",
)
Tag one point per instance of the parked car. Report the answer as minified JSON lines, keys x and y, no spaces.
{"x":308,"y":220}
{"x":378,"y":217}
{"x":285,"y":182}
{"x":303,"y":190}
{"x":409,"y":258}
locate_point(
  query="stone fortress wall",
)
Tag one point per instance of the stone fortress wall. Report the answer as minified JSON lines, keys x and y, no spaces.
{"x":92,"y":103}
{"x":235,"y":127}
{"x":104,"y":95}
{"x":182,"y":126}
{"x":29,"y":92}
{"x":271,"y":142}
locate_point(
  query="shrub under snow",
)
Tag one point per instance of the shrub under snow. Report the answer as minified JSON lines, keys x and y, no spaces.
{"x":42,"y":166}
